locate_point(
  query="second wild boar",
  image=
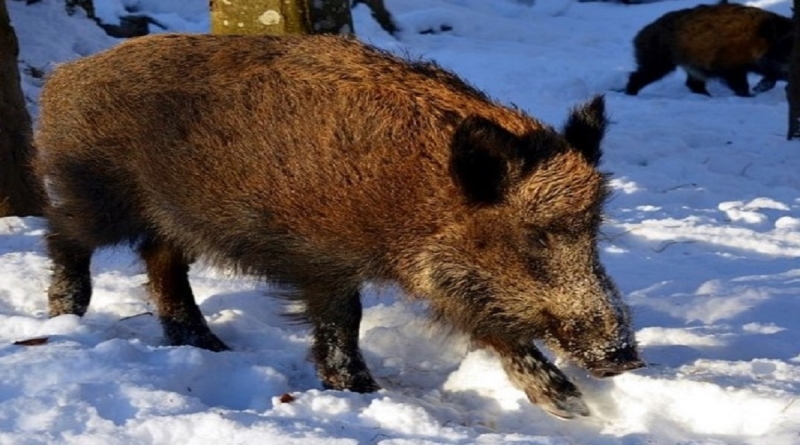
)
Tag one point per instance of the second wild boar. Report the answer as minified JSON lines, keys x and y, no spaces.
{"x":321,"y":163}
{"x":725,"y":41}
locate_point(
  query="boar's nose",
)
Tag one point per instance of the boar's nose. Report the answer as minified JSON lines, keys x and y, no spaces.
{"x":617,"y":369}
{"x":624,"y":360}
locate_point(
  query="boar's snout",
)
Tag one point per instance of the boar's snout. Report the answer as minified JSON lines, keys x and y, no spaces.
{"x":622,"y":360}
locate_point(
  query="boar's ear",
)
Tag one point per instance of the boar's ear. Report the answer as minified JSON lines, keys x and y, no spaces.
{"x":480,"y":159}
{"x":585,"y":128}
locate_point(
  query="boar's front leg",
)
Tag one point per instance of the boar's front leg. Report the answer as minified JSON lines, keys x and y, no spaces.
{"x":183,"y":324}
{"x":736,"y":79}
{"x":71,"y":284}
{"x":650,"y":69}
{"x":336,"y":317}
{"x":543,"y":383}
{"x":765,"y":84}
{"x":696,"y":84}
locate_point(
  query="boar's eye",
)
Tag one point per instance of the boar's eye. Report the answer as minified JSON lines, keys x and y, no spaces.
{"x":538,"y":239}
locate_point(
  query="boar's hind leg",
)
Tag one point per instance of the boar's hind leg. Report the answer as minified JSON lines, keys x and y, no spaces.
{"x":183,"y":324}
{"x":335,"y":317}
{"x":71,"y":284}
{"x":543,"y":383}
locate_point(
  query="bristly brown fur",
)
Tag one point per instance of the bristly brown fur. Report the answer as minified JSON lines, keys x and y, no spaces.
{"x":320,"y":163}
{"x":722,"y":40}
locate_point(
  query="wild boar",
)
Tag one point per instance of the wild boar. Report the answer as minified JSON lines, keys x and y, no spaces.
{"x":321,"y":163}
{"x":726,"y":41}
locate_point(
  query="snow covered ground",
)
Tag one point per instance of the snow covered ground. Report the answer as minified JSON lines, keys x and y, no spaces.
{"x":703,"y":238}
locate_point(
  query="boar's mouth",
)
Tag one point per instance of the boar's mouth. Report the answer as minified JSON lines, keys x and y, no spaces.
{"x":606,"y":372}
{"x":620,"y":361}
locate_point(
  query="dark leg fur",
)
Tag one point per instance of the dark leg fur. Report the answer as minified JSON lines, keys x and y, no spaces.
{"x":71,"y":284}
{"x":336,"y":318}
{"x":543,"y":383}
{"x":696,"y":85}
{"x":183,"y":324}
{"x":646,"y":74}
{"x":765,"y":84}
{"x":737,"y":81}
{"x":772,"y":70}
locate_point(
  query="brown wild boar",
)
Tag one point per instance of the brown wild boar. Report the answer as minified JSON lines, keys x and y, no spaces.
{"x":724,"y":40}
{"x":321,"y":163}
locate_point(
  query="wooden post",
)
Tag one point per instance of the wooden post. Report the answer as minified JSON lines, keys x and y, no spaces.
{"x":20,"y":193}
{"x":276,"y":17}
{"x":793,"y":89}
{"x":272,"y":17}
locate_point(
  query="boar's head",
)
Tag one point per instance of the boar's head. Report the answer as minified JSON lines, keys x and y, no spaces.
{"x":522,"y":263}
{"x":778,"y":33}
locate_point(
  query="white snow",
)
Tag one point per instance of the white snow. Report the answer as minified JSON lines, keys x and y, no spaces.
{"x":702,"y":236}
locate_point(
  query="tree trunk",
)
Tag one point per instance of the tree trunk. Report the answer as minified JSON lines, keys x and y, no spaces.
{"x":331,"y":17}
{"x":277,"y":17}
{"x":20,"y":194}
{"x":87,"y":5}
{"x":380,"y":14}
{"x":793,"y":89}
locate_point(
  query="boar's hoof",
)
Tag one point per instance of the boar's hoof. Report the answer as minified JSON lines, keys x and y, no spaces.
{"x":210,"y":342}
{"x":181,"y":334}
{"x":361,"y":382}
